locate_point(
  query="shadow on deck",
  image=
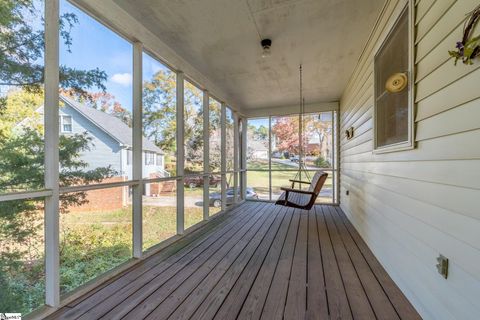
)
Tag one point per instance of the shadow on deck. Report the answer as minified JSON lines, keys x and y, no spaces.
{"x":258,"y":261}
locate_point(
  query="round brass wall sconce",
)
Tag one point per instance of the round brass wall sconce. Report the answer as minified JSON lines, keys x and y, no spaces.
{"x":396,"y":83}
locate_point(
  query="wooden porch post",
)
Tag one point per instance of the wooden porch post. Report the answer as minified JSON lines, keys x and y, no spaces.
{"x":52,"y":224}
{"x":223,"y":148}
{"x":137,"y":162}
{"x":180,"y":154}
{"x":236,"y":137}
{"x":206,"y":154}
{"x":243,"y":159}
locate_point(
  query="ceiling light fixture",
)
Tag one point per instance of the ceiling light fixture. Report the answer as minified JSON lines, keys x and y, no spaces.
{"x":266,"y":44}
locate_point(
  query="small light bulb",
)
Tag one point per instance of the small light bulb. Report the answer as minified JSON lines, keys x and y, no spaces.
{"x":266,"y":52}
{"x":266,"y":44}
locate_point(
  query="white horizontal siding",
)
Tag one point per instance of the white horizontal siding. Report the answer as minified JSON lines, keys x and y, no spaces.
{"x":407,"y":258}
{"x":410,"y":206}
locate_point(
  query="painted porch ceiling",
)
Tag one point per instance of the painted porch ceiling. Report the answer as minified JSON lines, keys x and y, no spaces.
{"x":220,"y":39}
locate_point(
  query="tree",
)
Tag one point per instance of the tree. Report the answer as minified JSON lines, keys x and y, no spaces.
{"x":285,"y":131}
{"x":22,"y":48}
{"x":193,"y":127}
{"x":20,"y":105}
{"x":229,"y":137}
{"x":215,"y":135}
{"x":159,"y":110}
{"x":159,"y":117}
{"x":261,"y":133}
{"x":21,"y":168}
{"x":315,"y":126}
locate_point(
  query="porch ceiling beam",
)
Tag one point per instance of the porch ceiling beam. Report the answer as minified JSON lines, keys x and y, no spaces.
{"x":290,"y":109}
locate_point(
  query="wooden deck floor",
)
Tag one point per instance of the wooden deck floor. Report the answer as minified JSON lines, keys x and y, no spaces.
{"x":259,"y":261}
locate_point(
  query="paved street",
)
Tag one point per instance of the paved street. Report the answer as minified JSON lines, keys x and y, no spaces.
{"x":289,"y":163}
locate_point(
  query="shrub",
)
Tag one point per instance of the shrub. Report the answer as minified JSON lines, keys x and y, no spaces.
{"x":87,"y":252}
{"x":322,"y":163}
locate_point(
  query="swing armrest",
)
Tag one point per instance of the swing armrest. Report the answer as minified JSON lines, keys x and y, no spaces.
{"x":297,"y":191}
{"x":299,"y":181}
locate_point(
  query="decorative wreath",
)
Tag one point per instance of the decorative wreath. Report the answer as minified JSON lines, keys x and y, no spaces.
{"x":469,"y":47}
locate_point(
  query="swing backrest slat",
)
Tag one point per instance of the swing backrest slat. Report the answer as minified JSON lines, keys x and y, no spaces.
{"x":317,"y":182}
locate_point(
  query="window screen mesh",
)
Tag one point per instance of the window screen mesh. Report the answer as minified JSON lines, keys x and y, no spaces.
{"x":392,"y":108}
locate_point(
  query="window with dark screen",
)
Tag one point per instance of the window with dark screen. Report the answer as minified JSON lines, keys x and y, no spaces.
{"x":392,"y":88}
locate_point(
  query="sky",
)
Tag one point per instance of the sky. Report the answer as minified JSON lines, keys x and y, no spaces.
{"x":258,"y":122}
{"x":96,"y":46}
{"x":93,"y":46}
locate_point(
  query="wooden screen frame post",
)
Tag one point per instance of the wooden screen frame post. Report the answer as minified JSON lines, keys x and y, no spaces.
{"x":180,"y":153}
{"x":51,"y":112}
{"x":137,"y":161}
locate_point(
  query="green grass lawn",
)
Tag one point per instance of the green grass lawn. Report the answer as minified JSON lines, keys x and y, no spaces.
{"x":197,"y":191}
{"x":263,"y":165}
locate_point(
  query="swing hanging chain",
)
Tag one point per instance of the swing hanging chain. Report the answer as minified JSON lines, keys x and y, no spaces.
{"x":300,"y":133}
{"x":301,"y":164}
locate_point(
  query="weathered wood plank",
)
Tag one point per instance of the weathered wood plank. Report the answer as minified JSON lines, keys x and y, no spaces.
{"x":253,"y":305}
{"x":145,"y":300}
{"x":296,"y":303}
{"x":255,"y":253}
{"x":191,"y":295}
{"x":378,"y":299}
{"x":339,"y":306}
{"x":317,"y":305}
{"x":359,"y":303}
{"x":255,"y":272}
{"x":275,"y":303}
{"x":403,"y":307}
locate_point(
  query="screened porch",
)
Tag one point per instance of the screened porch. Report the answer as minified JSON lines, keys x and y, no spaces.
{"x":160,"y":159}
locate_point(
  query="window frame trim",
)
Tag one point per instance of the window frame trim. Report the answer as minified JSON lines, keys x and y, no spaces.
{"x":62,"y":123}
{"x":409,"y":144}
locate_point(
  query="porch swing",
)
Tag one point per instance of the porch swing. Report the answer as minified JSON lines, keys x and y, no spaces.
{"x":298,"y":197}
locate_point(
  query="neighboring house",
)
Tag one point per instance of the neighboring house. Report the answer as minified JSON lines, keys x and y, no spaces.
{"x":257,"y":150}
{"x":112,"y":140}
{"x":320,"y":145}
{"x":111,"y":146}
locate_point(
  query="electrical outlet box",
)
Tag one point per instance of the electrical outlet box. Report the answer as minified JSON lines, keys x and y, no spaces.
{"x":442,"y":266}
{"x":347,"y":192}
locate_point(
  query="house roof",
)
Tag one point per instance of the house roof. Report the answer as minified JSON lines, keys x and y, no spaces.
{"x":258,"y":145}
{"x":110,"y":124}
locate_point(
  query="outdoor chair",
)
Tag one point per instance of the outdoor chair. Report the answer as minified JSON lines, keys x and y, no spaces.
{"x":302,"y":199}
